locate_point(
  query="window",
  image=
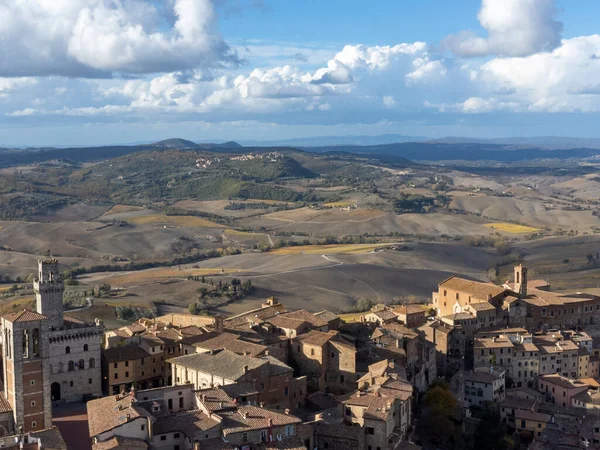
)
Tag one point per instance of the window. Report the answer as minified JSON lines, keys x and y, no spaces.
{"x":81,"y":364}
{"x":116,"y":365}
{"x":143,"y":427}
{"x":126,"y":374}
{"x":89,"y":381}
{"x":68,"y":350}
{"x":126,"y":363}
{"x":92,"y":363}
{"x":370,"y":430}
{"x":36,"y":342}
{"x":244,"y":437}
{"x":181,"y":402}
{"x":312,"y":352}
{"x":71,"y":383}
{"x":286,"y":391}
{"x":32,"y":382}
{"x":33,"y":424}
{"x":71,"y":366}
{"x":348,"y":411}
{"x":170,"y":403}
{"x":176,"y":435}
{"x":163,"y":438}
{"x":332,"y":355}
{"x":85,"y":347}
{"x":33,"y":403}
{"x":116,"y":376}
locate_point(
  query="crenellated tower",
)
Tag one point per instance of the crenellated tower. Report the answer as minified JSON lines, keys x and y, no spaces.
{"x":49,"y":289}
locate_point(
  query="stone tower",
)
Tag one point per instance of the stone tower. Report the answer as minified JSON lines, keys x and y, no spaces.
{"x":521,"y":280}
{"x":49,"y":289}
{"x":26,"y":369}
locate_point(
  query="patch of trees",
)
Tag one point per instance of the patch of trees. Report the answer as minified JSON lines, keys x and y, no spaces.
{"x":416,"y":203}
{"x":237,"y":206}
{"x":214,"y":294}
{"x":133,"y":313}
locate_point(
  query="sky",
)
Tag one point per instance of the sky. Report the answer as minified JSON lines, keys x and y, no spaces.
{"x":98,"y":72}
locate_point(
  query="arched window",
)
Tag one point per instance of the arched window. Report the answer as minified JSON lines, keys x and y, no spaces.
{"x":479,"y":392}
{"x":60,"y":367}
{"x":68,"y":350}
{"x":71,"y":366}
{"x":36,"y":342}
{"x":92,"y":363}
{"x":85,"y":347}
{"x":81,"y":364}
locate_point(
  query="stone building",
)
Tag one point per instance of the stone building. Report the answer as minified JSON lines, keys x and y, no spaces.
{"x":328,"y":360}
{"x":273,"y":380}
{"x":47,"y":356}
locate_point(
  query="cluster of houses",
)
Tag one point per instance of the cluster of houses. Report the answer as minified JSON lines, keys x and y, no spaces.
{"x":276,"y":378}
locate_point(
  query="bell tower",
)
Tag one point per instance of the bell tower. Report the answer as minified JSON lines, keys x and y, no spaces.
{"x":521,"y":280}
{"x":49,"y":289}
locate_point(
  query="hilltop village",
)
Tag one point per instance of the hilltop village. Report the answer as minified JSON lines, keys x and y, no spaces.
{"x":275,"y":378}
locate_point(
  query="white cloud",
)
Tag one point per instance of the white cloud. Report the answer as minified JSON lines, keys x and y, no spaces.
{"x":96,"y":38}
{"x":515,"y":28}
{"x":8,"y":85}
{"x":557,"y":81}
{"x":388,"y":101}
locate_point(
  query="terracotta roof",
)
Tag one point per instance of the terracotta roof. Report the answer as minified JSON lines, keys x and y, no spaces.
{"x":51,"y":438}
{"x":588,"y":397}
{"x":306,"y":316}
{"x":526,"y":347}
{"x":127,"y":352}
{"x":531,"y":415}
{"x":476,"y":289}
{"x":4,"y":405}
{"x":492,"y":343}
{"x":224,"y":364}
{"x":327,"y":315}
{"x":459,"y":316}
{"x":239,"y":389}
{"x":259,"y":313}
{"x":214,"y":400}
{"x":410,"y":309}
{"x":384,"y":314}
{"x":193,"y":424}
{"x":191,"y":330}
{"x":561,"y":381}
{"x":276,"y":367}
{"x":117,"y":442}
{"x":24,"y":316}
{"x":377,"y":407}
{"x":289,"y":443}
{"x":315,"y":337}
{"x":73,"y":321}
{"x":482,"y":306}
{"x":230,"y":342}
{"x":109,"y":412}
{"x":247,"y":418}
{"x":288,"y":323}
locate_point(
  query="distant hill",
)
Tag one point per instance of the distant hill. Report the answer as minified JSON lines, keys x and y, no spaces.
{"x":545,"y":142}
{"x":436,"y":151}
{"x":338,"y":140}
{"x":176,"y":143}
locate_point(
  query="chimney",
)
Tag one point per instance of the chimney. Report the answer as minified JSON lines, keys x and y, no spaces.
{"x":245,"y":368}
{"x":287,"y":411}
{"x":262,"y":404}
{"x":270,"y":422}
